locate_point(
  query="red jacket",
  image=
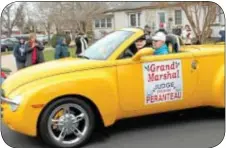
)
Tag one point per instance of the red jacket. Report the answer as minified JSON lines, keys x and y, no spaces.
{"x":3,"y":75}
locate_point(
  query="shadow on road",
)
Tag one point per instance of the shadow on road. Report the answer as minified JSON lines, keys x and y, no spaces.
{"x":158,"y":121}
{"x":140,"y":124}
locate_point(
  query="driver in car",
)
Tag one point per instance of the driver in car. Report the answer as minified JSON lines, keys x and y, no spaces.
{"x":159,"y":45}
{"x":140,"y":43}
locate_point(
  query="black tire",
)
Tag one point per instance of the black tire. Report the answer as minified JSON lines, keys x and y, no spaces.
{"x":43,"y":124}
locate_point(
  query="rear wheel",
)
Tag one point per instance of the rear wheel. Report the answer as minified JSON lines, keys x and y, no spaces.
{"x":68,"y":122}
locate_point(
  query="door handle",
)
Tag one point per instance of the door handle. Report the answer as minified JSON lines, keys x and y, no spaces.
{"x":194,"y":64}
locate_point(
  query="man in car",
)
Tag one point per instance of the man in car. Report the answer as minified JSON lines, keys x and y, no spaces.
{"x":158,"y":43}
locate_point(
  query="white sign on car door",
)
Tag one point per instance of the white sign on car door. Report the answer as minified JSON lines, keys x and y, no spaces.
{"x":162,"y":81}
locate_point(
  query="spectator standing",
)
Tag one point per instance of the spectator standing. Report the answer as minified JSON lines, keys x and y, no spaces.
{"x":81,"y":43}
{"x":162,"y":28}
{"x":147,"y":32}
{"x":61,"y":50}
{"x":34,"y":51}
{"x":187,"y":35}
{"x":19,"y":54}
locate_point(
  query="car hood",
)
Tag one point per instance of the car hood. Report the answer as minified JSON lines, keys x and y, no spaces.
{"x":48,"y":69}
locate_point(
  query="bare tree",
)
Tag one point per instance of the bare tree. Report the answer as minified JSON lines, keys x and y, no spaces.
{"x":201,"y":15}
{"x":12,"y":17}
{"x":44,"y":15}
{"x":72,"y":16}
{"x":84,"y":12}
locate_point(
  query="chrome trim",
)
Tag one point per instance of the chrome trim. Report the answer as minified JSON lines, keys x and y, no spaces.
{"x":9,"y":101}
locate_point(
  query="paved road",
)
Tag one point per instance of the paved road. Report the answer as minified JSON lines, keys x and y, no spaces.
{"x":195,"y":129}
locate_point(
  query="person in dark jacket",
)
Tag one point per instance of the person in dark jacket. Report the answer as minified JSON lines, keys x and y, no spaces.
{"x":147,"y":31}
{"x":19,"y":54}
{"x":222,"y":34}
{"x":61,"y":49}
{"x":34,"y":51}
{"x":81,"y":43}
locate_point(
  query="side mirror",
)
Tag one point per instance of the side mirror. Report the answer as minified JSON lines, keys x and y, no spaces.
{"x":142,"y":52}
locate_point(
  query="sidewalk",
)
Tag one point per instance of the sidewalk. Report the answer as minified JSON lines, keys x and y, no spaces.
{"x":8,"y":61}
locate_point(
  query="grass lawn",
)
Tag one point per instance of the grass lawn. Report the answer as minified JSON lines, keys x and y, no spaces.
{"x":49,"y":54}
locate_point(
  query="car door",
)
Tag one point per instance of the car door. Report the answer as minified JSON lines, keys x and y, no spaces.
{"x":157,"y":83}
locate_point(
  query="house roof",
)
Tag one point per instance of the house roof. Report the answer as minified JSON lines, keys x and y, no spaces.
{"x":142,"y":5}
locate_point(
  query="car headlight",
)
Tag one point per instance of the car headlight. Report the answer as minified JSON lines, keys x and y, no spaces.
{"x":17,"y":101}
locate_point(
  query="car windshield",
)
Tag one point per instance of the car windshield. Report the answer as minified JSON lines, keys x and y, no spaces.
{"x":103,"y":48}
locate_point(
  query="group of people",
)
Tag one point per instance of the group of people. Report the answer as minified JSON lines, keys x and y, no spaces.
{"x":28,"y":53}
{"x":61,"y":51}
{"x":31,"y":52}
{"x":159,"y":41}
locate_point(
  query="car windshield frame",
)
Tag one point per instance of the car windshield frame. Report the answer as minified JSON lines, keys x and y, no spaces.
{"x":100,"y":43}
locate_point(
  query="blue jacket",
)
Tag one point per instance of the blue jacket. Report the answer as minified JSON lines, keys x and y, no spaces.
{"x":162,"y":50}
{"x":61,"y":50}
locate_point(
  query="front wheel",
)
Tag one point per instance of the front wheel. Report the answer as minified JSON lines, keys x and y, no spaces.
{"x":68,"y":122}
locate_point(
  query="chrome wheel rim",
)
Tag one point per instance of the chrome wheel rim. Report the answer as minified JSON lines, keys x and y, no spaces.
{"x":68,"y":124}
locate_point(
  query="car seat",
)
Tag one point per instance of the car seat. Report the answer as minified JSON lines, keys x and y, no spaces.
{"x":174,"y":41}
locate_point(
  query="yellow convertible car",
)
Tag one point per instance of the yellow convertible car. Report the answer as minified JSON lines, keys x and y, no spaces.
{"x":63,"y":101}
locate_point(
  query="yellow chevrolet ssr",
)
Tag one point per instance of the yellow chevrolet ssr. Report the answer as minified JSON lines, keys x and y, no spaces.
{"x":62,"y":101}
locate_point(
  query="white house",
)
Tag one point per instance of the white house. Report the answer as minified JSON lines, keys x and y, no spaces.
{"x":139,"y":14}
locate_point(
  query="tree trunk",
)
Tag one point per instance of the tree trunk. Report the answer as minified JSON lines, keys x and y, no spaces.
{"x":9,"y":33}
{"x":73,"y":33}
{"x":57,"y":29}
{"x":48,"y":31}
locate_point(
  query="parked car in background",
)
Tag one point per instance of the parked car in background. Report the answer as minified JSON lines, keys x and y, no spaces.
{"x":8,"y":44}
{"x":24,"y":36}
{"x":43,"y":39}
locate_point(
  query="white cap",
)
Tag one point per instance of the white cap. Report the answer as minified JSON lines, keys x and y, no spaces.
{"x":159,"y":36}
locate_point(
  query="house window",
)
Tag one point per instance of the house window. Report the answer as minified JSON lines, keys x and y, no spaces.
{"x":134,"y":19}
{"x":109,"y":23}
{"x":97,"y":23}
{"x":178,"y":17}
{"x":103,"y":23}
{"x":162,"y":17}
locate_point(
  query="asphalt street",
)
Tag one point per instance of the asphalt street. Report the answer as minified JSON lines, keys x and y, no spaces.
{"x":199,"y":128}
